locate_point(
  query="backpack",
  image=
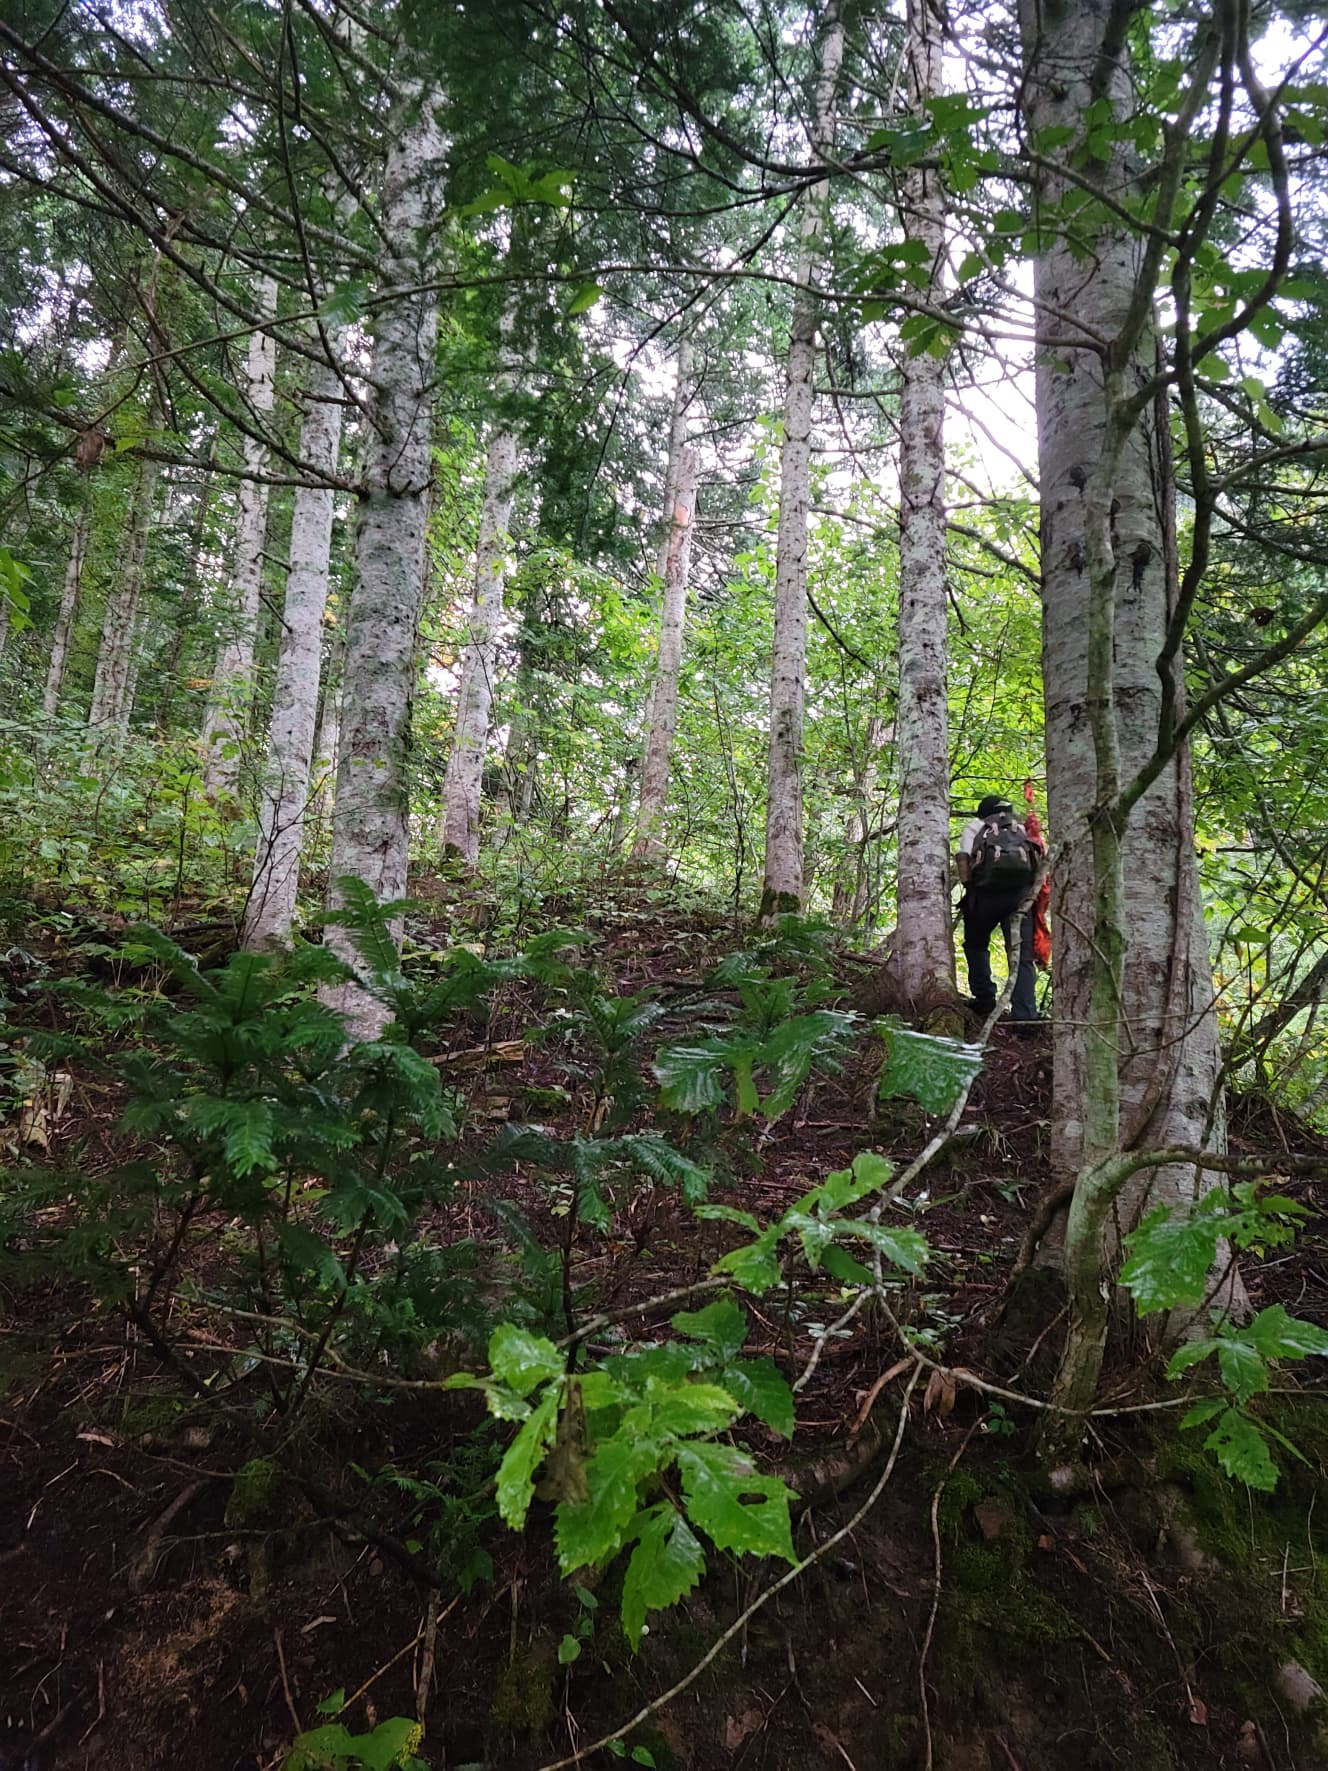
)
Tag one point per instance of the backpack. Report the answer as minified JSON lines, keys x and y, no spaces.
{"x":1004,"y":856}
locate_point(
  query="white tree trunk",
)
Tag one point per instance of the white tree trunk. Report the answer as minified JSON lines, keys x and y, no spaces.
{"x":924,"y":939}
{"x":668,"y":667}
{"x":371,"y":815}
{"x":783,"y":886}
{"x":1159,"y":875}
{"x":64,"y":621}
{"x":326,"y":749}
{"x":113,"y":684}
{"x":682,"y":399}
{"x":286,"y":781}
{"x":465,"y":765}
{"x":1135,"y":1039}
{"x":226,"y":720}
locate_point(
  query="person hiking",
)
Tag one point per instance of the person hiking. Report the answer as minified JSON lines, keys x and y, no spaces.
{"x":997,"y":863}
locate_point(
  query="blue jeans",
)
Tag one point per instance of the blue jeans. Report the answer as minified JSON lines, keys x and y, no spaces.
{"x":983,"y":911}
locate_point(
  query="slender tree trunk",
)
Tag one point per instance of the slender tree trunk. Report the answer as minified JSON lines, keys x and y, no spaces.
{"x":191,"y":597}
{"x":64,"y":621}
{"x":271,"y":908}
{"x":783,"y":887}
{"x":682,"y":399}
{"x":465,"y":766}
{"x":328,"y":743}
{"x":371,"y":816}
{"x":668,"y":668}
{"x":924,"y":939}
{"x":1135,"y":1038}
{"x":113,"y":684}
{"x":232,"y":679}
{"x":852,"y":886}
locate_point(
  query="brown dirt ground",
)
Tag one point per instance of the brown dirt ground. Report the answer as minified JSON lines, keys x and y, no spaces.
{"x":114,"y":1660}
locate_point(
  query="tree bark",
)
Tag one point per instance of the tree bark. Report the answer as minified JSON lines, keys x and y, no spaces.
{"x":371,"y":815}
{"x":1135,"y":1035}
{"x":924,"y":940}
{"x":465,"y":766}
{"x":668,"y":668}
{"x":783,"y":884}
{"x":270,"y":911}
{"x":113,"y":683}
{"x":69,"y":595}
{"x":226,"y":722}
{"x":185,"y":625}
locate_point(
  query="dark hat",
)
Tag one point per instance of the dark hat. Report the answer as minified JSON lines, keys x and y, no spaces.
{"x":994,"y":802}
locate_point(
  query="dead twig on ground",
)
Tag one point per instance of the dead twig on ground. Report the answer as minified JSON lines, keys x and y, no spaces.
{"x":285,"y":1681}
{"x":935,"y":1593}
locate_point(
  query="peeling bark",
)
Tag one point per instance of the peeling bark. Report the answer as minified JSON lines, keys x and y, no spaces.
{"x":270,"y":911}
{"x":370,"y":819}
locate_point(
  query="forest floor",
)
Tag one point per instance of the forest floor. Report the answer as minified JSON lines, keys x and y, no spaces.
{"x":154,"y":1617}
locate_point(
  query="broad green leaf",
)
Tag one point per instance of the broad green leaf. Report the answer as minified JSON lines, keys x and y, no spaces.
{"x":592,"y":1531}
{"x":1191,"y":1353}
{"x":584,"y":299}
{"x":755,"y":1265}
{"x":1171,"y":1256}
{"x":721,"y":1325}
{"x":846,"y":1186}
{"x":931,"y":1070}
{"x":1202,"y":1412}
{"x":516,"y":1473}
{"x":761,"y":1388}
{"x":391,"y":1743}
{"x":522,"y":1360}
{"x":841,"y":1265}
{"x":1276,"y":1335}
{"x":686,"y":1408}
{"x":908,"y":1249}
{"x":691,"y":1076}
{"x":729,"y":1214}
{"x":317,"y":1748}
{"x":667,"y":1562}
{"x":1244,"y":1370}
{"x":1242,"y":1451}
{"x":569,"y":1649}
{"x":736,"y":1506}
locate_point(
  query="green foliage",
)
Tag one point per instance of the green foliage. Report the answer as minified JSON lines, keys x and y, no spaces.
{"x":929,"y":1069}
{"x":825,"y":1232}
{"x":766,"y":1057}
{"x":332,"y":1747}
{"x":609,"y":1436}
{"x":1170,"y":1266}
{"x":1173,"y":1251}
{"x":129,"y":839}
